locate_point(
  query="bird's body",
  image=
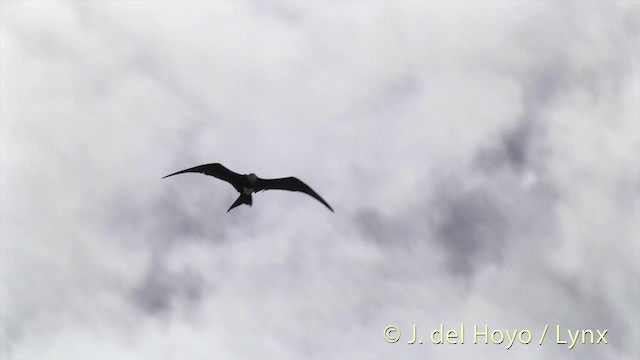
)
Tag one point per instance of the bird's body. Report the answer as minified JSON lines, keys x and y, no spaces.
{"x":248,"y":184}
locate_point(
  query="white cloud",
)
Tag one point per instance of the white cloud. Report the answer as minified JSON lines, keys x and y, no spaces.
{"x":481,"y":157}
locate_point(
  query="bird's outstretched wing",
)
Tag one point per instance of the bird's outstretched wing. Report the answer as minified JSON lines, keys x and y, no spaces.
{"x":288,"y":183}
{"x":215,"y":170}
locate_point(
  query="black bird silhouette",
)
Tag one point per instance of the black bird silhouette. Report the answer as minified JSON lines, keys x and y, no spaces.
{"x":249,"y":183}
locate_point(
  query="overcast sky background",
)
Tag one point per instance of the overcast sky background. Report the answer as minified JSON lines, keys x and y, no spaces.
{"x":482,"y":159}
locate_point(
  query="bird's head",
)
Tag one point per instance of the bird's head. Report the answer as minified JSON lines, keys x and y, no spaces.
{"x":252,"y":178}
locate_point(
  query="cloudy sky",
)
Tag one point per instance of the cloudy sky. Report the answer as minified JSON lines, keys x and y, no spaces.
{"x":482,"y":159}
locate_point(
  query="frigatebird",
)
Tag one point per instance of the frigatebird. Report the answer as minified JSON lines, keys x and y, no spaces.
{"x":249,"y":183}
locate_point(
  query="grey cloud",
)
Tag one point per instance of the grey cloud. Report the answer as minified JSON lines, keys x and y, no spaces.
{"x":472,"y":181}
{"x":173,"y":217}
{"x":512,"y":150}
{"x":384,"y":230}
{"x":160,"y":289}
{"x":475,"y":230}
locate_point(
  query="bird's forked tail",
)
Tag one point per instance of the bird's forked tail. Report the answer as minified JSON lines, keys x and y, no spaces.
{"x":242,"y":199}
